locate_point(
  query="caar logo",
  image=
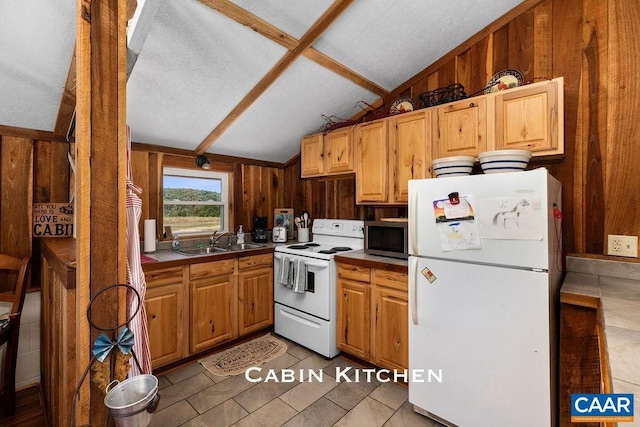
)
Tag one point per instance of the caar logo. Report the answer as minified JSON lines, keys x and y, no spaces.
{"x":601,"y":407}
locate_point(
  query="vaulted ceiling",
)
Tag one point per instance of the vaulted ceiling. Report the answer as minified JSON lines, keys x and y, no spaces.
{"x":234,"y":77}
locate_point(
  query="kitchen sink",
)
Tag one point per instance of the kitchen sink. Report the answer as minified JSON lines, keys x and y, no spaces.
{"x":243,"y":246}
{"x":220,"y":249}
{"x":203,"y":251}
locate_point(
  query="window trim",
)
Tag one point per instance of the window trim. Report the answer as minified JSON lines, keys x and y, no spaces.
{"x":210,"y":174}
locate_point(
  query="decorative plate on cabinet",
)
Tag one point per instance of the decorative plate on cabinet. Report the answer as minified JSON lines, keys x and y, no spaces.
{"x":402,"y":105}
{"x":505,"y":79}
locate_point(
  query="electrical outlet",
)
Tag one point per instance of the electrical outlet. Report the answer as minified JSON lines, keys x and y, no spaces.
{"x":623,"y":245}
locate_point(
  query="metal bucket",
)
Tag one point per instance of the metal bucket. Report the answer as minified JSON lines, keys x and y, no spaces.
{"x":132,"y":401}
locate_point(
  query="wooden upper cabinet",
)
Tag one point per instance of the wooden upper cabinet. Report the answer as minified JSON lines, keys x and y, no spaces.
{"x":411,"y":151}
{"x":312,"y":155}
{"x":529,"y":118}
{"x":339,"y":151}
{"x":329,"y":154}
{"x":461,"y":128}
{"x":372,"y":162}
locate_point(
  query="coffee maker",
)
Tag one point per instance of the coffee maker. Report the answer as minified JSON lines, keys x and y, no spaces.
{"x":259,"y":232}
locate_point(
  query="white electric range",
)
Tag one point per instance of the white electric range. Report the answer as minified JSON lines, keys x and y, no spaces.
{"x":305,"y":284}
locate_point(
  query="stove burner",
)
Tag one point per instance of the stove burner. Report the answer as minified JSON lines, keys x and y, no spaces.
{"x":310,"y":245}
{"x":298,"y":247}
{"x":341,"y":248}
{"x":327,"y":251}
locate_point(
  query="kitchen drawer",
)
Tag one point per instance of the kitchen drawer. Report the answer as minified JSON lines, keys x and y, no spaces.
{"x":391,"y":279}
{"x":214,"y":268}
{"x":165,"y":276}
{"x":354,"y":272}
{"x":248,"y":262}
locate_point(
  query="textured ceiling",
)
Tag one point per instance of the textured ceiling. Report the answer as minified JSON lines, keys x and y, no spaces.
{"x":191,"y":66}
{"x":36,"y":45}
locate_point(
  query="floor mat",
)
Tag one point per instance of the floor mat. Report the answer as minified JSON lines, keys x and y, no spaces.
{"x":236,"y":360}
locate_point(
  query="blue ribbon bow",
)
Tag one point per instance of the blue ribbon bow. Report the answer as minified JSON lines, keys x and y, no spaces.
{"x":103,"y":344}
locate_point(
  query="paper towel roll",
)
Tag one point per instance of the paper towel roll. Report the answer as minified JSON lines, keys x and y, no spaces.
{"x":149,"y":235}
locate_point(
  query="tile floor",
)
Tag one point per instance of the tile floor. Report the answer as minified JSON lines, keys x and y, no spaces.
{"x":192,"y":396}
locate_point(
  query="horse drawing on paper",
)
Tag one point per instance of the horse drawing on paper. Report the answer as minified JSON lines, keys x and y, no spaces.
{"x":513,"y":214}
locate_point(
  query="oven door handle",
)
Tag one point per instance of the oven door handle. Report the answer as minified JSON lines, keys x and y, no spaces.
{"x":314,"y":264}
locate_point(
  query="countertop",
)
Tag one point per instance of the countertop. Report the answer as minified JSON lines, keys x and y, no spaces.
{"x":167,"y":258}
{"x":366,"y":260}
{"x":617,"y":285}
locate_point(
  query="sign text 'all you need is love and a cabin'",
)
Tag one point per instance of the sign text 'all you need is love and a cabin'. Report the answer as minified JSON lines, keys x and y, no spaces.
{"x":52,"y":219}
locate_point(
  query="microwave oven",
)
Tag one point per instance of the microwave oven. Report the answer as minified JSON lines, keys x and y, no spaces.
{"x":387,"y":238}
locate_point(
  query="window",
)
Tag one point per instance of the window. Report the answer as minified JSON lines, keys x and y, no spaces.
{"x":195,"y":201}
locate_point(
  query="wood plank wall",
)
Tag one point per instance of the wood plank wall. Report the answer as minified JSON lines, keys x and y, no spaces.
{"x":590,"y":43}
{"x":593,"y":45}
{"x":34,"y":170}
{"x":329,"y":197}
{"x":257,"y":187}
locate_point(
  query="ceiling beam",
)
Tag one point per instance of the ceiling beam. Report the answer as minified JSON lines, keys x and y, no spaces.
{"x":330,"y":15}
{"x":138,"y":31}
{"x":68,"y":101}
{"x":332,"y":65}
{"x":265,"y":29}
{"x":248,"y":19}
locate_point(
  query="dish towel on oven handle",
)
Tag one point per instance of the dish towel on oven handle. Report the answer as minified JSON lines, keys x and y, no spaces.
{"x":285,"y":270}
{"x":300,"y":282}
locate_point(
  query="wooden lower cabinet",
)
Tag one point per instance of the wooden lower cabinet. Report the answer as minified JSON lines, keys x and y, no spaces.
{"x":353,"y":317}
{"x":166,"y":323}
{"x":196,"y":307}
{"x":57,"y":351}
{"x":213,"y":304}
{"x":391,"y":329}
{"x":166,"y":307}
{"x":255,"y":293}
{"x":373,"y":313}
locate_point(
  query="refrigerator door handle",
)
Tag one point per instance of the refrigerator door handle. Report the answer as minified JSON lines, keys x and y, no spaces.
{"x":413,"y":225}
{"x":413,"y":281}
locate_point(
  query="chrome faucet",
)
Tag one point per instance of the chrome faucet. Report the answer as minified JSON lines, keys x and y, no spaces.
{"x":214,"y":239}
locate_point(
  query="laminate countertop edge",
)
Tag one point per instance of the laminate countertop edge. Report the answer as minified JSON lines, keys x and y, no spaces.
{"x":614,"y":287}
{"x":373,"y":261}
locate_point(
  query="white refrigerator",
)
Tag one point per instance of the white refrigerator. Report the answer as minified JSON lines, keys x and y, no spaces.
{"x":484,"y":278}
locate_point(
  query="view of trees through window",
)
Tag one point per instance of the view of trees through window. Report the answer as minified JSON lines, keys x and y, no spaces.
{"x":194,"y":201}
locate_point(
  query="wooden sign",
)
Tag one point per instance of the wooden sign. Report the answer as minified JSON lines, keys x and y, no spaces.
{"x":52,"y":219}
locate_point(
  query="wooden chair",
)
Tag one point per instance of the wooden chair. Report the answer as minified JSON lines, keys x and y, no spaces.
{"x":12,"y":269}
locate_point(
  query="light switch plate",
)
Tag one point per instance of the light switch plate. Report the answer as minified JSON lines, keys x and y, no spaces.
{"x":623,"y":245}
